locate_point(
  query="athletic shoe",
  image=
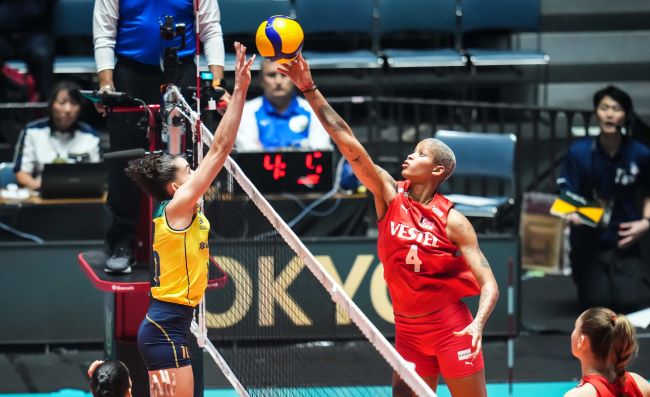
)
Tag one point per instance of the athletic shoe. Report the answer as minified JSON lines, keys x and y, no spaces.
{"x":120,"y":262}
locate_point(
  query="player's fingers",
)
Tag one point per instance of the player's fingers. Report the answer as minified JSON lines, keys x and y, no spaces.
{"x":173,"y":384}
{"x":155,"y":386}
{"x":249,"y":64}
{"x":474,"y":339}
{"x":461,"y":333}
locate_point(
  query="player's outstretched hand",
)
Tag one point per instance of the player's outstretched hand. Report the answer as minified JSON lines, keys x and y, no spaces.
{"x":242,"y":67}
{"x":298,"y":71}
{"x":476,"y":331}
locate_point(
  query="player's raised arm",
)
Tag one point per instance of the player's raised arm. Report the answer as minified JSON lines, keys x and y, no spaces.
{"x":377,"y":180}
{"x":224,"y":138}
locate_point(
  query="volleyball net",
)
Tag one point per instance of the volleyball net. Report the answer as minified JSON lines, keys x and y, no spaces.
{"x":275,"y":287}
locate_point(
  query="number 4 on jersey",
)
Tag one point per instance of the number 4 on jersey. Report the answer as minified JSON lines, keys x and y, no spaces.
{"x":412,"y":258}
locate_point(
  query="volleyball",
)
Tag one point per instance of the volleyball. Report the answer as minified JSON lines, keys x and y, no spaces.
{"x":279,"y":39}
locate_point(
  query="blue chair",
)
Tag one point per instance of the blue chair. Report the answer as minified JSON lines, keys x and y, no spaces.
{"x":479,"y":157}
{"x":73,"y":22}
{"x":7,"y":174}
{"x":506,"y":16}
{"x":437,"y":16}
{"x":343,"y":17}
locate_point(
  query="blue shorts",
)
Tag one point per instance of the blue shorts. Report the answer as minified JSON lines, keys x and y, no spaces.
{"x":162,"y":336}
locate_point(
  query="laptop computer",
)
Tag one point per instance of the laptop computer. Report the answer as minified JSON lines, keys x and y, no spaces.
{"x":73,"y":180}
{"x":292,"y":171}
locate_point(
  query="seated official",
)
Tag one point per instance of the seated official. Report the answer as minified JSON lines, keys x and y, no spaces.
{"x":279,"y":119}
{"x":59,"y":138}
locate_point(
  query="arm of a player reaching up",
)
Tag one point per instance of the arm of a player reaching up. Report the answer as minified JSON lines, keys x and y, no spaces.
{"x":224,"y":138}
{"x":376,"y":179}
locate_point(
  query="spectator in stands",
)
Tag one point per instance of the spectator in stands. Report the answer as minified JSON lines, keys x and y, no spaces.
{"x":112,"y":379}
{"x":605,"y":343}
{"x":609,"y":169}
{"x":129,"y":31}
{"x":26,"y":34}
{"x":279,"y":118}
{"x":59,"y":138}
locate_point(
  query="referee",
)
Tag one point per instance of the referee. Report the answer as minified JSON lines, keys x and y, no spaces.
{"x":128,"y":53}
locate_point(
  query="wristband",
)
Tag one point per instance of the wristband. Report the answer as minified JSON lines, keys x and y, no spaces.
{"x":107,"y":88}
{"x":312,"y":87}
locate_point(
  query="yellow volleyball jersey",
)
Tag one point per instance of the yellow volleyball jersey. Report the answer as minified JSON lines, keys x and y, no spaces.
{"x":181,"y":259}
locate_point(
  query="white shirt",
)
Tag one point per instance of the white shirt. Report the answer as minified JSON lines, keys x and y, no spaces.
{"x":38,"y":146}
{"x":106,"y":15}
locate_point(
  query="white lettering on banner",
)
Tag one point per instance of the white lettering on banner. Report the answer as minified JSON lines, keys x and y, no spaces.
{"x":379,"y":295}
{"x":410,"y":233}
{"x":351,"y":285}
{"x":274,"y":290}
{"x":243,"y":294}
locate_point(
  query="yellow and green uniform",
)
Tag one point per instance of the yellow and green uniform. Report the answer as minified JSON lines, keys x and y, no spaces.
{"x":181,"y":259}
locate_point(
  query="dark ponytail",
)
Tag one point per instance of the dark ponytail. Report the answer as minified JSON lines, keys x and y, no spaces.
{"x":153,"y":173}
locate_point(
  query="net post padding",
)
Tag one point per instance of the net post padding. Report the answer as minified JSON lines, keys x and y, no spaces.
{"x":404,"y":369}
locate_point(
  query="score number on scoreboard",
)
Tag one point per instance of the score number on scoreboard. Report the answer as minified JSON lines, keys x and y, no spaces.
{"x":288,"y":171}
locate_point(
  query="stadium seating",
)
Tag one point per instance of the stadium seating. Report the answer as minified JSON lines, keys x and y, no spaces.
{"x":7,"y":175}
{"x":241,"y":18}
{"x":481,"y":157}
{"x":506,"y":16}
{"x":415,"y":17}
{"x":342,"y":17}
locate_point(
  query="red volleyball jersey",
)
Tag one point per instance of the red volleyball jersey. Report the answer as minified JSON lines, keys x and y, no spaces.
{"x":422,"y":267}
{"x":606,"y":389}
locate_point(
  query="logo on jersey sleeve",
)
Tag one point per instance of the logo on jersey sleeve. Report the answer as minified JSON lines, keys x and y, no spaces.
{"x":437,"y":211}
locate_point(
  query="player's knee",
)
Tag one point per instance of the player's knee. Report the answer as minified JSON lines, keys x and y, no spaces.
{"x":400,"y":388}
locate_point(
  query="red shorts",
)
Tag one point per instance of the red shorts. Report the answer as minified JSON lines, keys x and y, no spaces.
{"x":429,"y":342}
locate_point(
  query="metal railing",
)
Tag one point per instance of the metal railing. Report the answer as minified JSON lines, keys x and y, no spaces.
{"x":390,"y":127}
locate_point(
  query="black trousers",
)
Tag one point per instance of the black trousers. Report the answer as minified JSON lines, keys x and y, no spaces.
{"x":129,"y":131}
{"x":608,"y":277}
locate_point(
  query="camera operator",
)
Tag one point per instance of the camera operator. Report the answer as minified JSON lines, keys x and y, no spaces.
{"x":141,"y":45}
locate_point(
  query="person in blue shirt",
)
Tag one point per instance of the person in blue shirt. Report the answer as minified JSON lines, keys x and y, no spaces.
{"x":610,"y":169}
{"x":282,"y":120}
{"x":279,"y":119}
{"x":129,"y":53}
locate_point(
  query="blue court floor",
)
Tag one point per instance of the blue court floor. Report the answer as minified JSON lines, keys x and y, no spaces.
{"x":524,"y":389}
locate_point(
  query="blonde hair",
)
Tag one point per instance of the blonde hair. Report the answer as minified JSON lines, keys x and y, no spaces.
{"x":612,"y":337}
{"x":442,"y":155}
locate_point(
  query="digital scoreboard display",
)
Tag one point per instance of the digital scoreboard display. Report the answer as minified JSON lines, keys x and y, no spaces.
{"x":288,"y":171}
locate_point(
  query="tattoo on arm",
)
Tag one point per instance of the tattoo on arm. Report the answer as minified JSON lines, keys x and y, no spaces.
{"x":331,"y":119}
{"x":484,"y":261}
